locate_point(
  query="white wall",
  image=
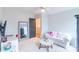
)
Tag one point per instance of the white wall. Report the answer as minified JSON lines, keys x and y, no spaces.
{"x":13,"y":15}
{"x":44,"y":20}
{"x":1,"y":13}
{"x":64,"y":22}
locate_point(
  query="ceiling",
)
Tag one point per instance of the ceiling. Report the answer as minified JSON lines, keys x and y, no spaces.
{"x":54,"y":10}
{"x":49,"y":10}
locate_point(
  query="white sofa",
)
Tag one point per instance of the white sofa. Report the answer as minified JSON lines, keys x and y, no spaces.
{"x":61,"y":39}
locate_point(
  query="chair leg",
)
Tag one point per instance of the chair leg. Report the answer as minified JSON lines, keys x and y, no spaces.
{"x":40,"y":46}
{"x":51,"y":46}
{"x":47,"y":48}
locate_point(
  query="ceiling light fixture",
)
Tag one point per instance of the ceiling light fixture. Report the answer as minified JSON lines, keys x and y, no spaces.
{"x":42,"y":9}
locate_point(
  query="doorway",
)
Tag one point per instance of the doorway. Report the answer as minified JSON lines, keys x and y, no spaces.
{"x":32,"y":27}
{"x":77,"y":16}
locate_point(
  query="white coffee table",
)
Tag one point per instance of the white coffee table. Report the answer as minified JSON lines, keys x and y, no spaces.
{"x":46,"y":44}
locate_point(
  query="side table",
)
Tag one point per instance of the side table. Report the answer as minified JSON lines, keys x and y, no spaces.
{"x":46,"y":44}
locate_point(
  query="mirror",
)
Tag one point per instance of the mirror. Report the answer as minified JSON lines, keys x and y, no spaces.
{"x":23,"y":29}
